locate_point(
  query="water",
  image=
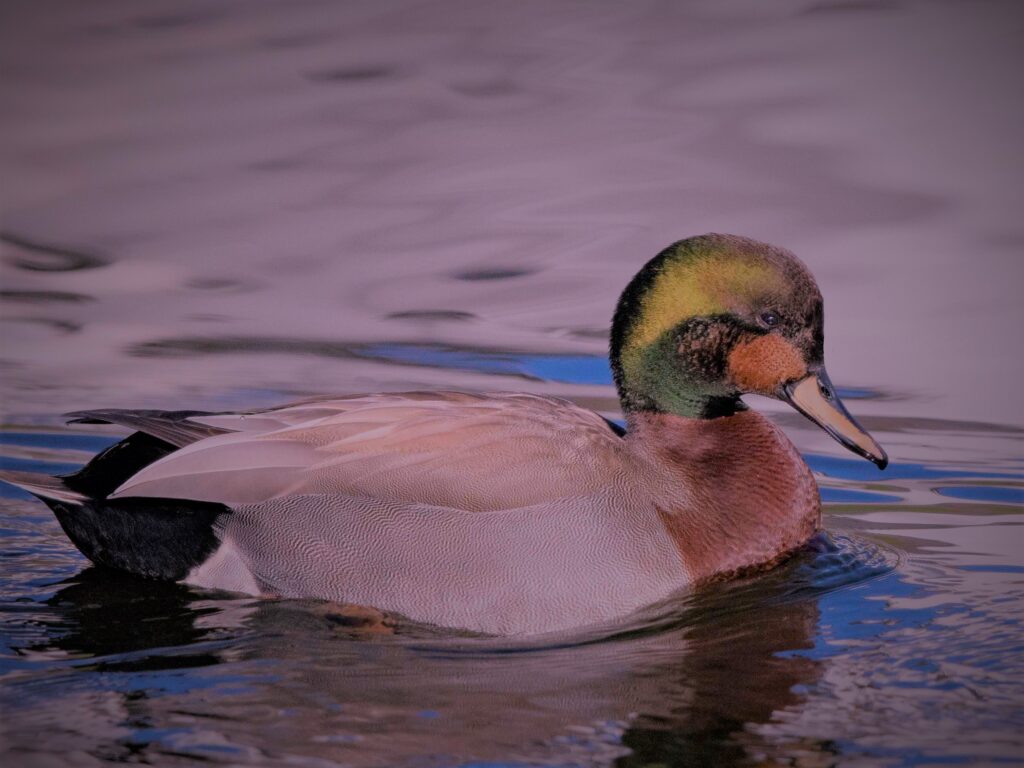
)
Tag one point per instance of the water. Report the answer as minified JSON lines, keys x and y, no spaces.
{"x":234,"y":204}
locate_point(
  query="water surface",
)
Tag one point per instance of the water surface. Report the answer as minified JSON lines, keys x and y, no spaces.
{"x":230,"y":205}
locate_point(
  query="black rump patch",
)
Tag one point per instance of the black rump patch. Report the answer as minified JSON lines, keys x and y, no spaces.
{"x":155,"y":538}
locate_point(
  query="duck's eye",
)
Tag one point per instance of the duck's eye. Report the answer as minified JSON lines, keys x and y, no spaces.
{"x":769,"y":319}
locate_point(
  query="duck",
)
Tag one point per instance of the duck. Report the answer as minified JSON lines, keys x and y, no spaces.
{"x":497,"y":513}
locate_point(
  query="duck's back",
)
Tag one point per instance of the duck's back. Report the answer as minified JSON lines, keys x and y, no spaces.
{"x":468,"y":452}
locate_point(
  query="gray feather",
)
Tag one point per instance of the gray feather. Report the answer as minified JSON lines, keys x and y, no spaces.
{"x":536,"y":569}
{"x":174,"y":427}
{"x":43,"y":486}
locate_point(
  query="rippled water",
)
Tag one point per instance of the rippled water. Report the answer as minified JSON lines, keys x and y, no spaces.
{"x":233,"y":204}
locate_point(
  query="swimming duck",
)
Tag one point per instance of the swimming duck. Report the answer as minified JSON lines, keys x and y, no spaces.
{"x":498,"y":513}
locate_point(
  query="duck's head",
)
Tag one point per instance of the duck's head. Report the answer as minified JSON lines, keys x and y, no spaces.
{"x":714,"y":317}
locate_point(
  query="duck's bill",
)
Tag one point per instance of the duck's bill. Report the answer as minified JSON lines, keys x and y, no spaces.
{"x":816,"y":398}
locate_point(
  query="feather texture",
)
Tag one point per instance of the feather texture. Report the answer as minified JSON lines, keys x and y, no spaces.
{"x":469,"y":452}
{"x":577,"y":561}
{"x":173,"y":427}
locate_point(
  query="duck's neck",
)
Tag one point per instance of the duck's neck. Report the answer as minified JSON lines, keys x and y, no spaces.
{"x":732,"y":491}
{"x":649,"y":379}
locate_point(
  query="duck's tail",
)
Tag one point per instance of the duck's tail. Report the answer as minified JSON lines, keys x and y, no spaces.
{"x":157,"y":538}
{"x":43,"y":486}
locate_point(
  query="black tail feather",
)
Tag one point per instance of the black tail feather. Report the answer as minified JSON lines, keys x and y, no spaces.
{"x":110,"y":468}
{"x":156,"y":538}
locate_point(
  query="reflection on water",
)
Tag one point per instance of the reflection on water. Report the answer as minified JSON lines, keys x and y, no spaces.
{"x":684,"y":683}
{"x":221,"y":206}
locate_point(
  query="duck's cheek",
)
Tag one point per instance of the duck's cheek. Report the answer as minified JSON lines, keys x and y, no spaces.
{"x":764,"y":364}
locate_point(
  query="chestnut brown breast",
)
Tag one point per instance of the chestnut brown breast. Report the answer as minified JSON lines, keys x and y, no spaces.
{"x":733,"y":492}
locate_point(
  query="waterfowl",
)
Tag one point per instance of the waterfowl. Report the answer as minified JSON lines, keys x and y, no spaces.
{"x":498,"y":513}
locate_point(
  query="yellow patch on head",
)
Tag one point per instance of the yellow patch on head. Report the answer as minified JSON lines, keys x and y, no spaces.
{"x":764,"y":364}
{"x":699,"y":287}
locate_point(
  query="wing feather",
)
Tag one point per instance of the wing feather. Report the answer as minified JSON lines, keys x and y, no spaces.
{"x":469,"y":452}
{"x":174,"y":427}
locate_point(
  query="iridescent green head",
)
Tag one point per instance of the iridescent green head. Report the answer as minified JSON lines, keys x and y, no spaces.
{"x":716,"y":316}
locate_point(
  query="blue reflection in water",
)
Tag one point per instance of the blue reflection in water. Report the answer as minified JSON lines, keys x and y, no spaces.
{"x":37,"y":465}
{"x":993,"y":493}
{"x":993,"y":568}
{"x":858,"y":469}
{"x":847,"y":496}
{"x":63,"y":440}
{"x":570,"y":369}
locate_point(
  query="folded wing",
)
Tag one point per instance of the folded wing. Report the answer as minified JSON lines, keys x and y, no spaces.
{"x":468,"y":452}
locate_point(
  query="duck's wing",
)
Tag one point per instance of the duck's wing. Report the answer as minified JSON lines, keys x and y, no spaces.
{"x":181,"y":428}
{"x":467,"y":452}
{"x":174,"y":427}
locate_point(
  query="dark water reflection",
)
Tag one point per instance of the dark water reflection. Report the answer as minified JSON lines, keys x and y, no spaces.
{"x":189,"y":675}
{"x":230,"y":205}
